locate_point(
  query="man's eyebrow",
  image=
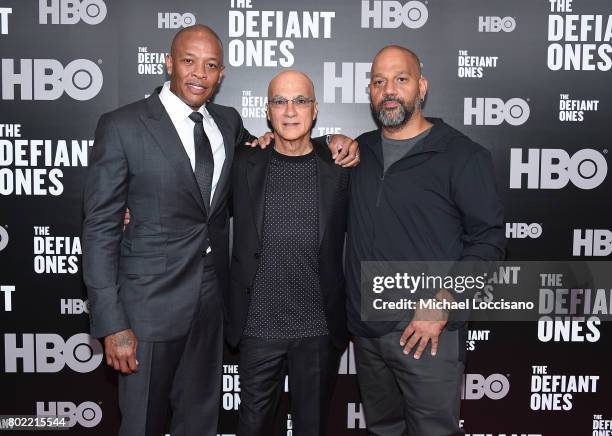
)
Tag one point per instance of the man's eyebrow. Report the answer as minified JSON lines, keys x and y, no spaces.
{"x":192,"y":55}
{"x":407,"y":72}
{"x":297,"y":96}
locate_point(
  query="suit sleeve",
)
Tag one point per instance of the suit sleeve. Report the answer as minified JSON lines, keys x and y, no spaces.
{"x":243,"y":135}
{"x":321,"y":141}
{"x":104,"y":203}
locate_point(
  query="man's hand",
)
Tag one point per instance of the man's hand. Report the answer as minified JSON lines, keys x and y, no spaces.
{"x":426,"y":325}
{"x":344,"y":150}
{"x":120,"y":350}
{"x":262,"y":141}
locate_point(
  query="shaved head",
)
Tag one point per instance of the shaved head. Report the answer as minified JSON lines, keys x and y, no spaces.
{"x":397,"y":89}
{"x":291,"y":76}
{"x":200,"y":29}
{"x":396,"y":50}
{"x":291,"y":121}
{"x":195,"y":65}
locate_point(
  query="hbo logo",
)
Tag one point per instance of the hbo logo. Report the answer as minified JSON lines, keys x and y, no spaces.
{"x":49,"y":353}
{"x":552,"y":168}
{"x":86,"y":414}
{"x":71,"y":11}
{"x":493,"y":111}
{"x":522,"y":230}
{"x":496,"y":24}
{"x":593,"y":242}
{"x":4,"y":238}
{"x":392,"y":14}
{"x":73,"y":306}
{"x":47,"y":79}
{"x":174,"y":20}
{"x":475,"y":386}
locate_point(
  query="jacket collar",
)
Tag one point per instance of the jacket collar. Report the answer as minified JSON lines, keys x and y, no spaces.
{"x":159,"y":125}
{"x":433,"y":143}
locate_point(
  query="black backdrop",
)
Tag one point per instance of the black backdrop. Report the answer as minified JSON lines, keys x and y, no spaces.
{"x":529,"y":80}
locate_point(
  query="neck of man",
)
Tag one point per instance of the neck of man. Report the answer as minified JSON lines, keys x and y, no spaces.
{"x":292,"y":147}
{"x":416,"y":125}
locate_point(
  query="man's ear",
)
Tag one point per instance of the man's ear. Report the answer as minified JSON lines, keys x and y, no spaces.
{"x":423,"y":87}
{"x":222,"y":70}
{"x":316,"y":111}
{"x":169,"y":64}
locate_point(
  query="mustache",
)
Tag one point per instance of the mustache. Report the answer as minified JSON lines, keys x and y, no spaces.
{"x":391,"y":98}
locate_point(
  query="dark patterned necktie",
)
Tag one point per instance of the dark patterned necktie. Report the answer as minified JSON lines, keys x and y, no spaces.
{"x":204,"y":162}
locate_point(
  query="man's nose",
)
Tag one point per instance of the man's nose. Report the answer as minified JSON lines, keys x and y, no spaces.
{"x":290,"y":109}
{"x":200,"y":71}
{"x":389,"y":89}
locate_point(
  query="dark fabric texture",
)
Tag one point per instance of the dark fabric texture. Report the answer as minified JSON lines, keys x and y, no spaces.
{"x":286,"y":301}
{"x":395,"y":149}
{"x":204,"y":161}
{"x":145,"y":277}
{"x":439,"y":202}
{"x":183,"y":375}
{"x":402,"y":395}
{"x":312,"y":365}
{"x":248,"y":178}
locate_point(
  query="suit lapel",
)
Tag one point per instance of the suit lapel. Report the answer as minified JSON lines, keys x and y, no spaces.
{"x":228,"y":144}
{"x":257,"y":169}
{"x":160,"y":126}
{"x":327,"y":187}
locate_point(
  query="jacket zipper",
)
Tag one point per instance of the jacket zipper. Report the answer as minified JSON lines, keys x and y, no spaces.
{"x":382,"y":178}
{"x":380,"y":189}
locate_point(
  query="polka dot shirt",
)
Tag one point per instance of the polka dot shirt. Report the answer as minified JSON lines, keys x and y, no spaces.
{"x":286,"y":301}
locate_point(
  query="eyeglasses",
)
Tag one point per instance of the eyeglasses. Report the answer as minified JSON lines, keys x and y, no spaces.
{"x":299,"y":102}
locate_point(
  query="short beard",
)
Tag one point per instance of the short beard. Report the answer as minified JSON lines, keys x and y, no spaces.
{"x":396,"y":118}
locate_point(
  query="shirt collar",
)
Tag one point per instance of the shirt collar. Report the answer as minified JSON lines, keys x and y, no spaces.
{"x":176,"y":108}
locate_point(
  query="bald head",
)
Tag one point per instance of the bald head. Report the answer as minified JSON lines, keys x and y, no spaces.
{"x":291,"y":119}
{"x":198,"y":30}
{"x":292,"y":79}
{"x":397,"y":89}
{"x":396,"y":51}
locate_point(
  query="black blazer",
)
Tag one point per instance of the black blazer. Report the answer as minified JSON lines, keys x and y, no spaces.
{"x":147,"y":278}
{"x":248,"y":184}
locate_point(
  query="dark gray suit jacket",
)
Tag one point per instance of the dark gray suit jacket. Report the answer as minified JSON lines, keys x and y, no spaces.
{"x":148,"y":277}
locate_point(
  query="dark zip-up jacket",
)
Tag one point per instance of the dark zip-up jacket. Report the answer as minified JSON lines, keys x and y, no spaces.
{"x":437,"y":203}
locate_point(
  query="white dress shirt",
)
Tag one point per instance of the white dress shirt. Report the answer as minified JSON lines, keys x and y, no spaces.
{"x":179,"y":115}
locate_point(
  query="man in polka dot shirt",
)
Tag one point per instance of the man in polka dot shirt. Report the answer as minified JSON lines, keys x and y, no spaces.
{"x":286,"y":301}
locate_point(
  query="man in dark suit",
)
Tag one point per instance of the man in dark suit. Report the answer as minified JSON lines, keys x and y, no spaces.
{"x":286,"y":301}
{"x":156,"y":290}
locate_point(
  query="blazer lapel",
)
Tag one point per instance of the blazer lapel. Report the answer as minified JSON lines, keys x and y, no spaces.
{"x":160,"y":126}
{"x":228,"y":144}
{"x":327,"y":187}
{"x":257,"y":168}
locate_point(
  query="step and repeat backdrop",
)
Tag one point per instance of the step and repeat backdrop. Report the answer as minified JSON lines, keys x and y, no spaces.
{"x":529,"y":80}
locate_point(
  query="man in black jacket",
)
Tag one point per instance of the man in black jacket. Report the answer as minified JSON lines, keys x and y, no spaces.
{"x":156,"y":290}
{"x":286,"y":301}
{"x":423,"y":191}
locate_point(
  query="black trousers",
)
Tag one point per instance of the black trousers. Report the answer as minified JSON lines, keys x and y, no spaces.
{"x":406,"y":396}
{"x":183,"y":376}
{"x":312,"y":365}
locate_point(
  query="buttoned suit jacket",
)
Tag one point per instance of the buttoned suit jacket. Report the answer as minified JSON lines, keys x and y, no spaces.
{"x":148,"y":276}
